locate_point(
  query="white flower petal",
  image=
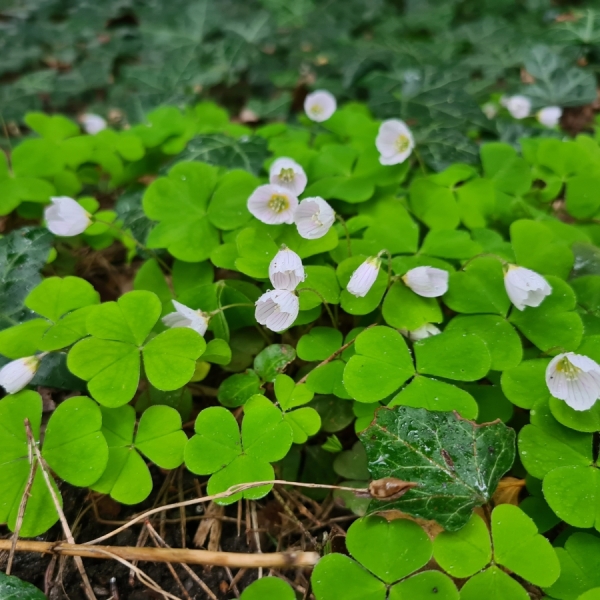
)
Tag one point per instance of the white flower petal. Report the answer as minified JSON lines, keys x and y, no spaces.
{"x":273,"y":204}
{"x":575,"y":379}
{"x":66,"y":217}
{"x":421,"y":333}
{"x":15,"y":375}
{"x":364,"y":277}
{"x":525,"y":287}
{"x":314,"y":217}
{"x":288,"y":174}
{"x":187,"y":317}
{"x":518,"y":106}
{"x":286,"y":270}
{"x":92,"y":124}
{"x":428,"y":282}
{"x":277,"y":309}
{"x":394,"y":142}
{"x":550,"y":116}
{"x":320,"y":105}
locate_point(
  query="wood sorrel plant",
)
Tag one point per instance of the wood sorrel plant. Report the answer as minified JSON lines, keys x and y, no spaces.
{"x":319,"y":280}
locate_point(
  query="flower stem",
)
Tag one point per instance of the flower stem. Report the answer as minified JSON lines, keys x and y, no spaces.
{"x":325,"y":304}
{"x":389,"y":264}
{"x":238,"y":305}
{"x":345,"y":226}
{"x":420,"y":160}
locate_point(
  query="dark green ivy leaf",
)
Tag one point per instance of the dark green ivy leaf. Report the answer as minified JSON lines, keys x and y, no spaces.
{"x":22,"y":255}
{"x":457,"y":464}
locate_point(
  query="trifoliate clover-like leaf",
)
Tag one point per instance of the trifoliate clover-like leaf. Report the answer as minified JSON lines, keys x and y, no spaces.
{"x":109,"y":360}
{"x":159,"y":437}
{"x":230,"y":457}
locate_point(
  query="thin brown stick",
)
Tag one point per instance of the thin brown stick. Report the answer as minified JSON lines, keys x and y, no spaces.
{"x":89,"y":592}
{"x":333,"y":356}
{"x":23,"y":503}
{"x":234,"y":489}
{"x":143,"y":577}
{"x":241,"y":560}
{"x":190,"y":572}
{"x":155,"y":539}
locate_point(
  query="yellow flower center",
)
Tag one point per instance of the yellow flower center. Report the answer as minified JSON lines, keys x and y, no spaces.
{"x":278,"y":203}
{"x":568,"y":368}
{"x":286,"y":175}
{"x":316,"y":109}
{"x":402,"y":143}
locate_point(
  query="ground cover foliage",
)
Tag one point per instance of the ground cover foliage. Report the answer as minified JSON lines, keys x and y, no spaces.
{"x":411,"y":365}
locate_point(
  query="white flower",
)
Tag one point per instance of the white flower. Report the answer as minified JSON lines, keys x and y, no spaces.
{"x":549,"y":116}
{"x":525,"y":287}
{"x":17,"y":374}
{"x":394,"y":142}
{"x":277,"y":309}
{"x":518,"y":106}
{"x":428,"y":282}
{"x":92,"y":124}
{"x":66,"y":217}
{"x":286,"y":270}
{"x":364,"y":277}
{"x":319,"y":105}
{"x":313,"y":218}
{"x":575,"y":379}
{"x":273,"y":204}
{"x":425,"y":331}
{"x":490,"y":110}
{"x":288,"y":174}
{"x":187,"y":317}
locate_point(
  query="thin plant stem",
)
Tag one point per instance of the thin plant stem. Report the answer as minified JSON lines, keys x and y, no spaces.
{"x":89,"y":592}
{"x":238,"y":305}
{"x":22,"y":506}
{"x":346,"y":230}
{"x":333,"y":356}
{"x":325,"y":304}
{"x":420,"y":160}
{"x":389,"y":265}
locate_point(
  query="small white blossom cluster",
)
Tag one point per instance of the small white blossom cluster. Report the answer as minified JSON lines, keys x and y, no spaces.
{"x":277,"y":202}
{"x":520,"y":108}
{"x":277,"y":309}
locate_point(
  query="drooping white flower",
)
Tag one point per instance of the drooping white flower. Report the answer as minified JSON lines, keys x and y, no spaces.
{"x":92,"y":124}
{"x":314,"y":217}
{"x":518,"y":106}
{"x":320,"y":105}
{"x":575,"y":379}
{"x":525,"y":287}
{"x":286,"y":270}
{"x":66,"y":217}
{"x":490,"y":110}
{"x":425,"y":331}
{"x":277,"y":309}
{"x":428,"y":282}
{"x":549,"y":116}
{"x":187,"y":317}
{"x":15,"y":375}
{"x":273,"y":204}
{"x":394,"y":142}
{"x":288,"y":174}
{"x":364,"y":277}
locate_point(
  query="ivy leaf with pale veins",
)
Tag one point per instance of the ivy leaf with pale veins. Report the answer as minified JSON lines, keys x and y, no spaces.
{"x":23,"y":253}
{"x":456,"y":463}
